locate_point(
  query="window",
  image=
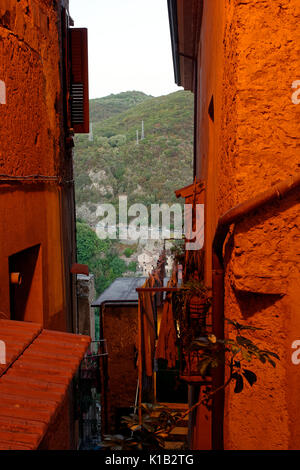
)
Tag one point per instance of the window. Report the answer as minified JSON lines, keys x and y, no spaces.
{"x":79,"y":80}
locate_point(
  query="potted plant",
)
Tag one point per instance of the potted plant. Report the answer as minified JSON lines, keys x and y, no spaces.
{"x":192,"y":307}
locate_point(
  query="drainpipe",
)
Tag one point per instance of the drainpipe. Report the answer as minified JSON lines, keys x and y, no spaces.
{"x":173,"y":19}
{"x":233,"y":216}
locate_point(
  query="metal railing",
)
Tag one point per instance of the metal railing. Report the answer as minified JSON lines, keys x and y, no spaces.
{"x":89,"y":395}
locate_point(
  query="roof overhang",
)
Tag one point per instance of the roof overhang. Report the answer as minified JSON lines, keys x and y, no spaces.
{"x":39,"y":367}
{"x":185,"y":18}
{"x":122,"y":292}
{"x":190,"y":190}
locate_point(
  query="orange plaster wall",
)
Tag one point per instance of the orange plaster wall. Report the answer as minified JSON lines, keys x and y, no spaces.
{"x":210,"y":65}
{"x":31,"y":143}
{"x":29,"y":66}
{"x":249,"y":60}
{"x":210,"y":60}
{"x":201,"y":436}
{"x":31,"y":218}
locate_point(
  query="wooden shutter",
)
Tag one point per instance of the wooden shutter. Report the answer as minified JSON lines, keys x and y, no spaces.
{"x":79,"y":80}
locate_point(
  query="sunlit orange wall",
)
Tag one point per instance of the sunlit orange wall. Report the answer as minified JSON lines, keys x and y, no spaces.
{"x":248,"y":60}
{"x":31,"y":143}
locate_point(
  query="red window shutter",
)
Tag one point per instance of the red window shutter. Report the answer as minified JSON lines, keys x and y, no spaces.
{"x":79,"y":80}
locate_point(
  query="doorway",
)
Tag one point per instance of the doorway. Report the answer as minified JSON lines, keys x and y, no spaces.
{"x":169,"y":389}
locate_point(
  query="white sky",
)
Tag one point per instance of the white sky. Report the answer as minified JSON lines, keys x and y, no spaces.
{"x":129,"y":45}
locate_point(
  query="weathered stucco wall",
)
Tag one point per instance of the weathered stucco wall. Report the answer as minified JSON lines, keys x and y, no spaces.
{"x":32,"y":143}
{"x":85,"y":296}
{"x":30,"y":218}
{"x":30,"y":61}
{"x":249,"y":60}
{"x":120,"y":332}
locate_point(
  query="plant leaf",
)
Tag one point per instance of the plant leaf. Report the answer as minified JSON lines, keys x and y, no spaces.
{"x":239,"y":326}
{"x":249,"y":376}
{"x":273,"y":363}
{"x":246,"y":342}
{"x":262,"y":358}
{"x":239,"y":382}
{"x":246,"y":355}
{"x":203,"y":365}
{"x":270,"y":353}
{"x":248,"y":327}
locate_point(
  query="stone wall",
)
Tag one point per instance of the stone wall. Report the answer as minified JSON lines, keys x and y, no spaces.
{"x":36,"y":201}
{"x":120,"y":332}
{"x":36,"y":191}
{"x":248,"y":62}
{"x":85,"y":296}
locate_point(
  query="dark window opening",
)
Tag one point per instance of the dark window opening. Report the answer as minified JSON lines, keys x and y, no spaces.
{"x":169,"y":389}
{"x":26,"y":293}
{"x":211,"y":109}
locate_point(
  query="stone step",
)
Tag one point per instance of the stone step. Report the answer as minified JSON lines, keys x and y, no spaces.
{"x":179,"y":431}
{"x":174,"y":445}
{"x":183,"y":422}
{"x":175,"y":406}
{"x":178,"y":434}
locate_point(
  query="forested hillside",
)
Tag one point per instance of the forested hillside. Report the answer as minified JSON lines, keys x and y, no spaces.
{"x":111,"y":161}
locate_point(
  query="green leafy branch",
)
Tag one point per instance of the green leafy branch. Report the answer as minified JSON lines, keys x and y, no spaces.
{"x":236,"y":353}
{"x":157,"y":420}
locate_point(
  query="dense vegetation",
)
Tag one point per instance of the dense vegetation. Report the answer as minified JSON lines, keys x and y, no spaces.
{"x":148,"y":172}
{"x":100,"y":255}
{"x":104,"y":108}
{"x":111,"y":163}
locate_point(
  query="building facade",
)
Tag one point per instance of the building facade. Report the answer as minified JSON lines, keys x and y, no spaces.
{"x":118,"y":312}
{"x":36,"y":197}
{"x":241,"y":60}
{"x":42,"y":103}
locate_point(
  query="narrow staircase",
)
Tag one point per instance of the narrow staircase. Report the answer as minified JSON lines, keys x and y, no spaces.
{"x":178,"y":437}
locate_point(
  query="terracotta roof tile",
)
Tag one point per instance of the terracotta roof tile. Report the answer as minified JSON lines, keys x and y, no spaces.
{"x":21,"y":425}
{"x":17,"y":338}
{"x":33,"y":383}
{"x":10,"y":445}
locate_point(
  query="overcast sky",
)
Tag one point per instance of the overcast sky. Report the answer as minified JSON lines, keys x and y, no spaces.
{"x":129,"y":45}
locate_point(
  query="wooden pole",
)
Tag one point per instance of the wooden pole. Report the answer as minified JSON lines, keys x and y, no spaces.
{"x":157,"y":289}
{"x":140,"y":359}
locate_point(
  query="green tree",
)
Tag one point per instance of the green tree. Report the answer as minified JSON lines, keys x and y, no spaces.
{"x":100,"y":255}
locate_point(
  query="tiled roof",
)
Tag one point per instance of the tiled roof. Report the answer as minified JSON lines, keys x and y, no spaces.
{"x":33,"y":383}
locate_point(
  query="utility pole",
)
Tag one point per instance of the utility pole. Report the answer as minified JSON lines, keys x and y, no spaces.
{"x":143,"y":131}
{"x":137,"y":137}
{"x":91,"y":135}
